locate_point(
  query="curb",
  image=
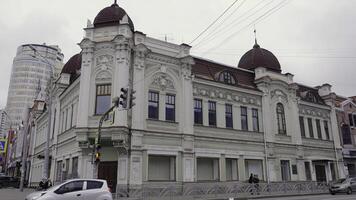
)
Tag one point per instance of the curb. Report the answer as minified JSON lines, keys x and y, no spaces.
{"x":278,"y":196}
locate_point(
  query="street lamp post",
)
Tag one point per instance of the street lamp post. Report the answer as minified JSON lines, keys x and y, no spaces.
{"x":24,"y":147}
{"x":49,"y":107}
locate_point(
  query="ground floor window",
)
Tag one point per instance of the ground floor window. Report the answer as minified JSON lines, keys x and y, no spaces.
{"x":75,"y":167}
{"x":231,"y":169}
{"x":307,"y":171}
{"x":254,"y":167}
{"x":59,"y":171}
{"x":352,"y":169}
{"x":285,"y":170}
{"x":208,"y":169}
{"x":161,"y":168}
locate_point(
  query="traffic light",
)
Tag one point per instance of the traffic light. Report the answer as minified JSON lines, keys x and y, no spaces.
{"x":97,"y":153}
{"x":123,"y":97}
{"x":132,"y":98}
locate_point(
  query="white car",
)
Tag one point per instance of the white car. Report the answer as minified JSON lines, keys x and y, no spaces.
{"x":75,"y":189}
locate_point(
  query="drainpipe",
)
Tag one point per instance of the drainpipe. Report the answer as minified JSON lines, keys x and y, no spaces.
{"x":266,"y":157}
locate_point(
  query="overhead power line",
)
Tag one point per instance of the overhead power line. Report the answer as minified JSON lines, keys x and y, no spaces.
{"x":210,"y":37}
{"x":207,"y":28}
{"x":260,"y":18}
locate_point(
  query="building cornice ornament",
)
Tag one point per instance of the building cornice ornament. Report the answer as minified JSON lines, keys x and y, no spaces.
{"x":87,"y":46}
{"x":141,"y":51}
{"x":225,"y":95}
{"x":161,"y":81}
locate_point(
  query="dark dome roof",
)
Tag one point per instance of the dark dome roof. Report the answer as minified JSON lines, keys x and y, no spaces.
{"x":259,"y":57}
{"x":73,"y":66}
{"x":111,"y":16}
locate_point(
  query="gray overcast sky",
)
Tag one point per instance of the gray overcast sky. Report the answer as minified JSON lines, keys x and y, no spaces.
{"x":313,"y":39}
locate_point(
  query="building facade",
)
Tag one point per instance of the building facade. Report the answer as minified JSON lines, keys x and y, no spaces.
{"x":346,"y":116}
{"x":194,"y":119}
{"x":32,"y":69}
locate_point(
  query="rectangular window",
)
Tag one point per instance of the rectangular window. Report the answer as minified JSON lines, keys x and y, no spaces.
{"x":326,"y":128}
{"x":161,"y":168}
{"x":346,"y":135}
{"x":228,"y":116}
{"x":71,"y":116}
{"x":310,"y":127}
{"x":307,"y":171}
{"x":54,"y":122}
{"x":285,"y":170}
{"x":302,"y":127}
{"x":170,"y":107}
{"x":255,"y":122}
{"x":208,"y":169}
{"x":351,"y":120}
{"x":67,"y":119}
{"x":231,"y":169}
{"x":59,"y":171}
{"x":198,"y":111}
{"x":75,"y":167}
{"x":354,"y":117}
{"x":244,"y":125}
{"x":212,"y":113}
{"x":153,"y":105}
{"x":103,"y":99}
{"x":318,"y":128}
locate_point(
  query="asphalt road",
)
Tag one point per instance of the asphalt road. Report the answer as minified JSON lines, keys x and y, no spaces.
{"x":15,"y":194}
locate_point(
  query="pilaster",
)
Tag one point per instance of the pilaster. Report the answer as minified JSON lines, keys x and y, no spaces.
{"x":85,"y":79}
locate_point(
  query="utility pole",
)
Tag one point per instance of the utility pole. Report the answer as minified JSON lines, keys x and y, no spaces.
{"x":24,"y":148}
{"x":49,"y":107}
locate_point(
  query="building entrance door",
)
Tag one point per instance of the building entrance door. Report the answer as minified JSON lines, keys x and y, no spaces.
{"x":320,"y":173}
{"x":108,"y":172}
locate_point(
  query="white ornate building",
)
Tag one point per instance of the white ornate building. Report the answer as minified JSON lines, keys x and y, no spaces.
{"x":194,"y":119}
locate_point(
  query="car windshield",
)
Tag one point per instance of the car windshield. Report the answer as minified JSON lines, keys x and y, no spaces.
{"x":341,"y":180}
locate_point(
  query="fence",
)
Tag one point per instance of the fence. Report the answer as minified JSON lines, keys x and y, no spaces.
{"x":215,"y":190}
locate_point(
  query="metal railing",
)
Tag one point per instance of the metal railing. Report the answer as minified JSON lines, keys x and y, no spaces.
{"x":216,"y":190}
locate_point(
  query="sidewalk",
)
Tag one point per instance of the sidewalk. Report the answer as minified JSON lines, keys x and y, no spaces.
{"x":14,"y":193}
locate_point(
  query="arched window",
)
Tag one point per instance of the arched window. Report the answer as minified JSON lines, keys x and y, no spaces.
{"x":227,"y":77}
{"x":281,"y":119}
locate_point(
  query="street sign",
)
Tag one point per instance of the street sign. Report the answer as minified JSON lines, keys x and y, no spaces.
{"x":3,"y":143}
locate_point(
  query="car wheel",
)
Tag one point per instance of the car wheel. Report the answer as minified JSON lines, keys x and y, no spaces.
{"x":348,"y":191}
{"x":332,"y":193}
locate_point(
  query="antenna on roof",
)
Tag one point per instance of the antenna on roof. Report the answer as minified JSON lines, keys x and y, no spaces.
{"x":254,"y":31}
{"x":115,"y":2}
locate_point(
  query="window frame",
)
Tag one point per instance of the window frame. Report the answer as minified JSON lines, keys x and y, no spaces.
{"x":212,"y":113}
{"x":169,"y":99}
{"x":170,"y":157}
{"x":351,"y":121}
{"x":255,"y":120}
{"x":244,"y":116}
{"x":227,"y":78}
{"x":281,"y":119}
{"x":229,"y":122}
{"x":198,"y":116}
{"x":155,"y":100}
{"x":302,"y":126}
{"x":310,"y":127}
{"x":109,"y":89}
{"x":318,"y":128}
{"x":326,"y":129}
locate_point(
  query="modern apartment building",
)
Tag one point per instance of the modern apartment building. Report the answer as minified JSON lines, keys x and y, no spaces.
{"x":31,"y":71}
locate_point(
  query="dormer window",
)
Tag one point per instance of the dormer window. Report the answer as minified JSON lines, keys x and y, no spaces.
{"x":227,"y":77}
